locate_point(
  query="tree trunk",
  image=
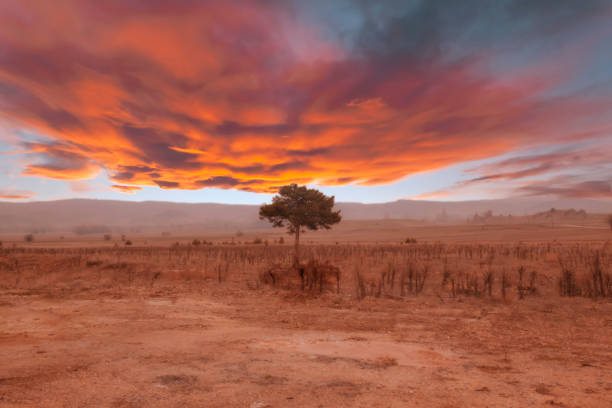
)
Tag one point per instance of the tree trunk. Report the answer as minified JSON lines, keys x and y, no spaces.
{"x":297,"y":246}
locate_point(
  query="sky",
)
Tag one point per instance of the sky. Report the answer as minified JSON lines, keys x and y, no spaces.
{"x":225,"y":101}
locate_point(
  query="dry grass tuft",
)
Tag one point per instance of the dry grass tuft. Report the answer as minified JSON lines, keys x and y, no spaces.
{"x":378,"y":271}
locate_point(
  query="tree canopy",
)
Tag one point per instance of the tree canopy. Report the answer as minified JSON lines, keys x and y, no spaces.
{"x":300,"y":207}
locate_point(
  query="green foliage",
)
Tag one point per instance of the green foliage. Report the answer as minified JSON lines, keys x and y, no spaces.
{"x":299,"y":207}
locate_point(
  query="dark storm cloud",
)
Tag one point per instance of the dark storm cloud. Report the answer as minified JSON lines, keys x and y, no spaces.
{"x":424,"y":30}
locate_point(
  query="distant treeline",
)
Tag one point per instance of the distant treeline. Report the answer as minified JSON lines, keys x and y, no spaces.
{"x":90,"y":229}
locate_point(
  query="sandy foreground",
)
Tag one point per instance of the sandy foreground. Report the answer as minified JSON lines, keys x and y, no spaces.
{"x":229,"y":347}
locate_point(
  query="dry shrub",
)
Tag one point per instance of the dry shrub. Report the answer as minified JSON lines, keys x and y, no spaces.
{"x":586,"y":275}
{"x":320,"y":276}
{"x":504,"y":284}
{"x":412,"y":279}
{"x":312,"y":276}
{"x":385,"y":362}
{"x":360,"y":285}
{"x":524,"y":289}
{"x":600,"y":284}
{"x":280,"y":276}
{"x":567,"y":283}
{"x":390,"y":270}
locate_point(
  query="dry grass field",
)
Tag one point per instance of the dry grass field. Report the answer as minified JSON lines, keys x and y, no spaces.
{"x":468,"y":316}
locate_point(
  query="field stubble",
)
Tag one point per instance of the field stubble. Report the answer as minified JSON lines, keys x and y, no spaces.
{"x":420,"y":324}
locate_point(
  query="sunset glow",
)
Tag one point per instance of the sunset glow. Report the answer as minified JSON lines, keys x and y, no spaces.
{"x":253,"y":95}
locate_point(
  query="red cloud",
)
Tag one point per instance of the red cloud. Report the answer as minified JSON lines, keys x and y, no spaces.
{"x":241,"y":95}
{"x":594,"y":188}
{"x":573,"y":171}
{"x":16,"y":195}
{"x":126,"y":189}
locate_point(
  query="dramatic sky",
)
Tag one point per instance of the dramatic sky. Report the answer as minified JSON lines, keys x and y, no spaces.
{"x":193,"y":100}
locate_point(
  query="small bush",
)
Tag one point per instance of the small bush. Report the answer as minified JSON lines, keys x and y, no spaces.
{"x":281,"y":240}
{"x":196,"y":242}
{"x":410,"y":241}
{"x":29,"y":238}
{"x":128,"y":242}
{"x":257,"y":241}
{"x":107,"y":237}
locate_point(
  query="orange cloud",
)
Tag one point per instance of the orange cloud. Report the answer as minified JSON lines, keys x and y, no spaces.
{"x":126,"y":189}
{"x":242,"y":95}
{"x":16,"y":195}
{"x":432,"y":195}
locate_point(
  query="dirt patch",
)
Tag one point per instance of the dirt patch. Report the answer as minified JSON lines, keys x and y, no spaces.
{"x":176,"y":380}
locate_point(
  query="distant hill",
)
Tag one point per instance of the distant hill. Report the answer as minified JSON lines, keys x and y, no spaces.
{"x":96,"y":216}
{"x":460,"y":210}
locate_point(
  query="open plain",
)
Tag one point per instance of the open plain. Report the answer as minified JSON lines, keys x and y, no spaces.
{"x":494,"y":316}
{"x":305,"y":204}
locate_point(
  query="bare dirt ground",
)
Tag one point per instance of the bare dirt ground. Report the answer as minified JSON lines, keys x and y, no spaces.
{"x":241,"y":348}
{"x":100,"y":332}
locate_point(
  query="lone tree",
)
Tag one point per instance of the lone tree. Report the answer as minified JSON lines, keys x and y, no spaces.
{"x":300,"y":208}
